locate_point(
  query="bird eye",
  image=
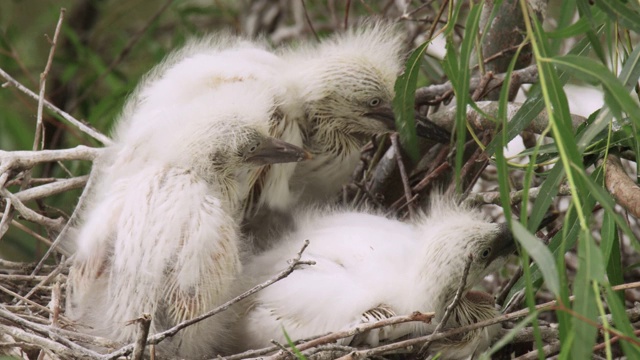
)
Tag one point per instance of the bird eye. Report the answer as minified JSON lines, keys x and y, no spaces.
{"x":254,"y":147}
{"x":485,"y":253}
{"x":374,"y":102}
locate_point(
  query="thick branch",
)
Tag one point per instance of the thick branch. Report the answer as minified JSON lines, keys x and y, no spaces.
{"x":429,"y":94}
{"x":446,"y":117}
{"x":622,"y":187}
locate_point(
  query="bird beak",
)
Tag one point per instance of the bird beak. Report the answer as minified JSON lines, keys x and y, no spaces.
{"x":504,"y":243}
{"x":274,"y":151}
{"x":385,"y":115}
{"x":425,"y":128}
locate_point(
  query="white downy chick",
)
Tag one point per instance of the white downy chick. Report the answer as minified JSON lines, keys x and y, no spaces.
{"x":163,"y":237}
{"x":367,"y":265}
{"x":341,"y":94}
{"x":204,"y":65}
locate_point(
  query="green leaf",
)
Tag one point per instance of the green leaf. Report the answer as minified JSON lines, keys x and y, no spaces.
{"x":589,"y":269}
{"x":404,"y":102}
{"x":591,"y":69}
{"x":293,"y":347}
{"x":459,"y":73}
{"x":610,"y":245}
{"x":621,"y":321}
{"x":541,"y":254}
{"x":617,"y":11}
{"x":506,"y":339}
{"x":578,"y":28}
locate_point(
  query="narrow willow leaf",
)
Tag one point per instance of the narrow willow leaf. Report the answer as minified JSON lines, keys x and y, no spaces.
{"x":404,"y":103}
{"x":578,"y":28}
{"x":589,"y":269}
{"x":540,"y":254}
{"x":618,"y":11}
{"x":293,"y":347}
{"x":621,"y":321}
{"x":560,"y":242}
{"x":610,"y":245}
{"x":461,"y":85}
{"x":594,"y":70}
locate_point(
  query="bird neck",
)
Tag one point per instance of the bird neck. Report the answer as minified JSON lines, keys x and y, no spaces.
{"x":323,"y":136}
{"x":439,"y":277}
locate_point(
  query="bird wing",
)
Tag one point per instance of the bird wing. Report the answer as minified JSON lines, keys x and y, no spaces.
{"x":173,"y":251}
{"x":356,"y":270}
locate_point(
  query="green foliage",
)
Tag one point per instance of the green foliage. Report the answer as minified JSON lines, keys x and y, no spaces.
{"x":403,"y":104}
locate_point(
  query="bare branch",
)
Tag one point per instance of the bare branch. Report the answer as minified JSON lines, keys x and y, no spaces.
{"x":144,"y":322}
{"x":80,"y":125}
{"x":429,"y":94}
{"x":18,"y":160}
{"x":30,"y":215}
{"x":446,"y":118}
{"x":359,"y":329}
{"x":43,"y":84}
{"x":53,"y":188}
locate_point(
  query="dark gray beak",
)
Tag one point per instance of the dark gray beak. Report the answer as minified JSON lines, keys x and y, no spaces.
{"x":425,"y":128}
{"x":274,"y":151}
{"x":504,"y":244}
{"x":385,"y":115}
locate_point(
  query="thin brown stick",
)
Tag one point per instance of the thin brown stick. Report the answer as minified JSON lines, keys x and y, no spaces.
{"x":359,"y":329}
{"x":547,"y":350}
{"x":308,"y":18}
{"x":38,"y":341}
{"x":30,"y":215}
{"x":133,"y":40}
{"x":39,"y":136}
{"x":428,"y":94}
{"x":73,"y":121}
{"x":346,"y":14}
{"x":403,"y":173}
{"x":63,"y":265}
{"x":400,"y":203}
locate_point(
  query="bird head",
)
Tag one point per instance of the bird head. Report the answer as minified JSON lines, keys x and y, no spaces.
{"x":347,"y":82}
{"x":220,"y":134}
{"x":454,"y":234}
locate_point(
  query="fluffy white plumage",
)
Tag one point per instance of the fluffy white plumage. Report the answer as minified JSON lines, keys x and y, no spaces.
{"x":366,"y":262}
{"x":161,"y":236}
{"x":345,"y":88}
{"x":338,"y":95}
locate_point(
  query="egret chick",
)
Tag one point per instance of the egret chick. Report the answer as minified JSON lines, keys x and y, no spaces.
{"x":341,"y":95}
{"x":163,"y":238}
{"x":369,"y":266}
